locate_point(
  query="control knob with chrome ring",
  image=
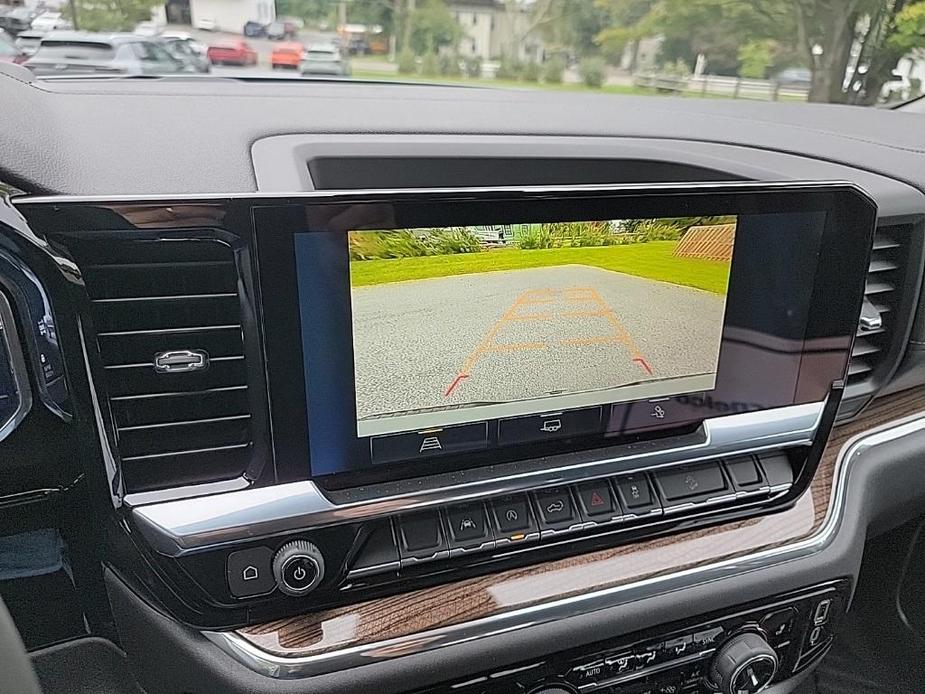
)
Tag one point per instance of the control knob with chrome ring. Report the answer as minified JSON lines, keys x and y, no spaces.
{"x":298,"y":567}
{"x":745,"y":664}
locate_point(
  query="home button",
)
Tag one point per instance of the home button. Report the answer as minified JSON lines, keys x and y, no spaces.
{"x":249,"y":572}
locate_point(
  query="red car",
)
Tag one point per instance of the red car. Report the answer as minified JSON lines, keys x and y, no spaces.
{"x":232,"y":53}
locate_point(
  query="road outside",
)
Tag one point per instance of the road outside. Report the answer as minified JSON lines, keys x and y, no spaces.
{"x":526,"y":334}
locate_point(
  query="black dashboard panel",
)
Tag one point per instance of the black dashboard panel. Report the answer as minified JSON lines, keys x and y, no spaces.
{"x":224,"y":137}
{"x":226,"y":503}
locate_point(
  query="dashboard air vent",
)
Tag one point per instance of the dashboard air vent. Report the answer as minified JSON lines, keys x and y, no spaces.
{"x":881,"y":296}
{"x":168,"y":322}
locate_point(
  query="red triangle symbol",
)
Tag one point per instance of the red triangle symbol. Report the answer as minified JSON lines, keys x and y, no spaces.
{"x":596,"y":499}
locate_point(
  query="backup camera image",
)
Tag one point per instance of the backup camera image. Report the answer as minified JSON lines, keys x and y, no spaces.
{"x":465,"y":324}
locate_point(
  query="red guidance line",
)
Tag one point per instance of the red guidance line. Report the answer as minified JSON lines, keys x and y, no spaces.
{"x":452,"y":386}
{"x":644,"y":364}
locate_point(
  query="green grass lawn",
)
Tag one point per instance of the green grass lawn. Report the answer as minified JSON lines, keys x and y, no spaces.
{"x":653,"y":260}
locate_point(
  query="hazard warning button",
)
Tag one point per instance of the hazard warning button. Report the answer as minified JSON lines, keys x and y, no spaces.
{"x":596,"y":499}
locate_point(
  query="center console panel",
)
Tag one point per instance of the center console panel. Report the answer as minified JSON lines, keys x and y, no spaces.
{"x":739,"y":651}
{"x":375,"y":459}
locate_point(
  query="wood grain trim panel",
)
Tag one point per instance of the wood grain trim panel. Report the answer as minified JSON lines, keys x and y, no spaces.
{"x":454,"y":603}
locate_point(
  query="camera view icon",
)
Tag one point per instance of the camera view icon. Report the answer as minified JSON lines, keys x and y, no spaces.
{"x":431,"y":443}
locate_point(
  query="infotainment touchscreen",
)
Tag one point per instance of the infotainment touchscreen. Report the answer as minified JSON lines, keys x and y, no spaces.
{"x":466,"y":324}
{"x":414,"y":333}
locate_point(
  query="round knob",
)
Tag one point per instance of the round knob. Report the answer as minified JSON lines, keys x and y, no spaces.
{"x":298,"y":567}
{"x":552,"y":689}
{"x":745,"y":664}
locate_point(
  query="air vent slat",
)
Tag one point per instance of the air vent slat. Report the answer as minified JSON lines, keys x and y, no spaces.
{"x":167,"y":315}
{"x":120,"y":283}
{"x":878,"y":265}
{"x":874,"y":287}
{"x":150,"y":364}
{"x":885,"y":275}
{"x":130,"y":349}
{"x":151,"y":296}
{"x":863,"y":347}
{"x":178,"y":297}
{"x":169,"y":331}
{"x":184,"y":436}
{"x":140,"y":410}
{"x":143,"y":381}
{"x":190,"y":467}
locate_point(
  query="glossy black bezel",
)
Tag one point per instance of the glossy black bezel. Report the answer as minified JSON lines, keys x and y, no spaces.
{"x":836,"y":293}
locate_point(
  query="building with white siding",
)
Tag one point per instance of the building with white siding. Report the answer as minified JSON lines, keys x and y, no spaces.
{"x":230,"y":15}
{"x":491,"y":29}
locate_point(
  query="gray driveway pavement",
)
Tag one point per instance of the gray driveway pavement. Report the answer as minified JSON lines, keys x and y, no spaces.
{"x":501,"y":336}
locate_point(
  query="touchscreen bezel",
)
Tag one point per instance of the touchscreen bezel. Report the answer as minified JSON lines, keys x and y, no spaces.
{"x":836,"y":293}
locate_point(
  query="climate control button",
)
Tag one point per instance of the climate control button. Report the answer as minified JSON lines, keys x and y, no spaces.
{"x":298,"y":567}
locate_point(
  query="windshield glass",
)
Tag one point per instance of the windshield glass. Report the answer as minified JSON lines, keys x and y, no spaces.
{"x":862,"y":52}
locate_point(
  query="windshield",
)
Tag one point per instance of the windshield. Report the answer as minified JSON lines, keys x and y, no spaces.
{"x":862,"y":52}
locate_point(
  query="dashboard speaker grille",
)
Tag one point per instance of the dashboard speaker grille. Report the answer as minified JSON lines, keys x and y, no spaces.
{"x":885,"y":278}
{"x":168,"y":321}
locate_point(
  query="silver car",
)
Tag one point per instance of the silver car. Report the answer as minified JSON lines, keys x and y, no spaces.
{"x":82,"y":53}
{"x":324,"y":59}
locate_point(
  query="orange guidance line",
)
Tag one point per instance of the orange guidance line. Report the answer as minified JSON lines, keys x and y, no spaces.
{"x":486,"y":345}
{"x":533,"y":297}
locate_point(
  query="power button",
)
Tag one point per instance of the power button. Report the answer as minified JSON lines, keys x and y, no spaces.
{"x":298,"y":567}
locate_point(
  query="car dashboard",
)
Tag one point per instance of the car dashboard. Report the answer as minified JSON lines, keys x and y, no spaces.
{"x":171,"y":310}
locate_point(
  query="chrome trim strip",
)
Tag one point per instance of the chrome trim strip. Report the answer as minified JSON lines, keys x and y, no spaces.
{"x":113,"y":467}
{"x":174,"y":528}
{"x":386,"y":193}
{"x":288,"y":668}
{"x":10,"y":342}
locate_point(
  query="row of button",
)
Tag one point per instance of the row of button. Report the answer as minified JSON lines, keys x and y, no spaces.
{"x":468,"y":438}
{"x":480,"y":526}
{"x":646,"y":658}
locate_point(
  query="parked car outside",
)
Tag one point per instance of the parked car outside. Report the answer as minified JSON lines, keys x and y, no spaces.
{"x":28,"y":41}
{"x":17,"y":20}
{"x":82,"y":53}
{"x":255,"y":30}
{"x":51,"y":21}
{"x":357,"y":45}
{"x":287,"y":56}
{"x":282,"y":31}
{"x":324,"y":59}
{"x":232,"y":53}
{"x":187,"y":50}
{"x":9,"y":51}
{"x":794,"y":77}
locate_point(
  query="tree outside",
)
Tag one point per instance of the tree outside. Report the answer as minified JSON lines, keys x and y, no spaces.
{"x":850,"y":48}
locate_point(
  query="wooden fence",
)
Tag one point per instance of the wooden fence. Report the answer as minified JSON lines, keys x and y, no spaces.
{"x":713,"y":242}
